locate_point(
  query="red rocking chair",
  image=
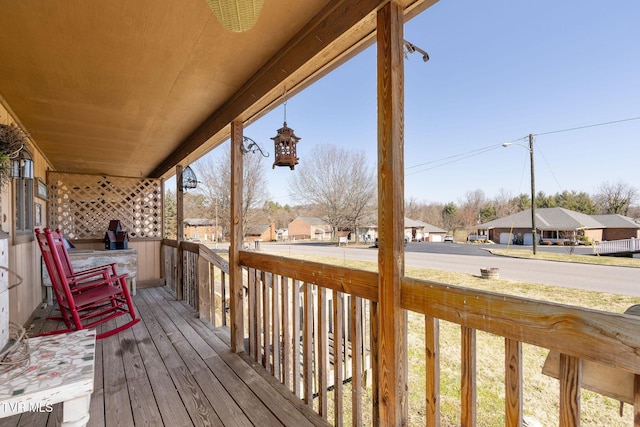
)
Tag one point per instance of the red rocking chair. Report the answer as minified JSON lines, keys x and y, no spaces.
{"x":86,"y":298}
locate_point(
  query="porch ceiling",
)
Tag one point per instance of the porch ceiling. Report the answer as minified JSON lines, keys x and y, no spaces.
{"x":132,"y":88}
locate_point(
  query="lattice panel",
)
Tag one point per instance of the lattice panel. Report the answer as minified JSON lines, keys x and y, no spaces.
{"x":82,"y":205}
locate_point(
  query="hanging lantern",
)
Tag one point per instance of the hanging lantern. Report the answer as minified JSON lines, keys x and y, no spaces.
{"x":285,"y":147}
{"x":188,"y":180}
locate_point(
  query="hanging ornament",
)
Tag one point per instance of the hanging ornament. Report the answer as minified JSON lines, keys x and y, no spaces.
{"x":285,"y":144}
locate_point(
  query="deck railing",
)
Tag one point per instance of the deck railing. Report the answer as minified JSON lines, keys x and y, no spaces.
{"x":313,"y":327}
{"x":204,"y":284}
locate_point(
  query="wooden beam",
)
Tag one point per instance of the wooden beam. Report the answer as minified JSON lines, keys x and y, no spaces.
{"x":235,"y":271}
{"x":392,"y":369}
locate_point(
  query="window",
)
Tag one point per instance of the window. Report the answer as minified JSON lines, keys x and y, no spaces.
{"x":23,"y":225}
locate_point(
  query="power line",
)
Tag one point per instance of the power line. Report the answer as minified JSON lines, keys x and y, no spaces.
{"x":588,"y":126}
{"x":455,"y":158}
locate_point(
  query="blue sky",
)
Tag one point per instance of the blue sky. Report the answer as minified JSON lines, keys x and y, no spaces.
{"x":499,"y":70}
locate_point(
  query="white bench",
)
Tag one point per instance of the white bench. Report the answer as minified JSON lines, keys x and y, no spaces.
{"x":61,"y":369}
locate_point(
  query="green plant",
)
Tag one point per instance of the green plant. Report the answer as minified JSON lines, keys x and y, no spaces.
{"x":12,"y":139}
{"x":5,"y":169}
{"x":585,"y":240}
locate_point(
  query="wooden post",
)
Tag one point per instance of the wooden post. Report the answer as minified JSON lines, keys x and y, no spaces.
{"x":391,"y":320}
{"x":468,"y":378}
{"x":570,"y":378}
{"x":432,"y":362}
{"x":179,"y":232}
{"x":513,"y":382}
{"x":235,"y":271}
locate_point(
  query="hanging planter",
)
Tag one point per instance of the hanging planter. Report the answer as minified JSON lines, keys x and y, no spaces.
{"x":12,"y":141}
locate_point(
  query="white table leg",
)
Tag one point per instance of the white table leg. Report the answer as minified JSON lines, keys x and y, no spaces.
{"x":75,"y":412}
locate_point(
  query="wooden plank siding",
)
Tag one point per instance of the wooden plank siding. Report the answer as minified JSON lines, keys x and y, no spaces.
{"x":173,"y":369}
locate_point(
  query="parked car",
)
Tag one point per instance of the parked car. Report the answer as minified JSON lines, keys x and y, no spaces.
{"x":448,"y":238}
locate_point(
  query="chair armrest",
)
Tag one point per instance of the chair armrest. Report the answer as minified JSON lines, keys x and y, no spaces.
{"x":98,"y":268}
{"x":84,"y":281}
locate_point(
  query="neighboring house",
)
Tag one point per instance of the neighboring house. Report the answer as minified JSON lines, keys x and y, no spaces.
{"x":433,"y":233}
{"x":261,"y":232}
{"x":414,"y":230}
{"x":618,"y":227}
{"x":309,"y":227}
{"x":420,"y":231}
{"x":559,"y":224}
{"x":282,"y":234}
{"x":202,"y":229}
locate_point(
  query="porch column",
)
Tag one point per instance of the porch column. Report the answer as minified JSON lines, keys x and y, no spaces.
{"x":235,"y":271}
{"x":179,"y":231}
{"x":391,"y":320}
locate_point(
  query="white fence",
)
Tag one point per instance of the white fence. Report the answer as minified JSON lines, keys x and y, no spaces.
{"x":617,"y":246}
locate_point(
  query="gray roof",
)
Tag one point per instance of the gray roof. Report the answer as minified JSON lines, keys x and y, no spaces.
{"x":257,"y":230}
{"x":408,"y":222}
{"x":546,"y":219}
{"x":617,"y":221}
{"x":415,"y":223}
{"x":198,"y":221}
{"x":312,"y":220}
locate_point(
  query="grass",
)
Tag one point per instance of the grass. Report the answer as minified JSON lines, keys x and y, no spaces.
{"x":540,"y":392}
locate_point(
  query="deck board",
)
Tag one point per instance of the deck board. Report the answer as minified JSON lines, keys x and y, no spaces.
{"x":173,"y":369}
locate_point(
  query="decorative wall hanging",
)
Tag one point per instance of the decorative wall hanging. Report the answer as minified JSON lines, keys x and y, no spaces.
{"x":236,"y":15}
{"x":188,"y":179}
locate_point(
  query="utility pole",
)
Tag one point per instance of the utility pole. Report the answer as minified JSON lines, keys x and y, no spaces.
{"x":534,"y":233}
{"x":533,"y":199}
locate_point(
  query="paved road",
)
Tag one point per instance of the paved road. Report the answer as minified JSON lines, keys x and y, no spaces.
{"x":469,"y":259}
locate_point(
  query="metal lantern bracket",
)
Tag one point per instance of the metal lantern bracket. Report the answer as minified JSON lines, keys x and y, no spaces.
{"x":411,"y":48}
{"x":252,"y":147}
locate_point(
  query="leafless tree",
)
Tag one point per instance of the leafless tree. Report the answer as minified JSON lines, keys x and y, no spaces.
{"x":339,"y":183}
{"x":214,"y":174}
{"x":616,"y":198}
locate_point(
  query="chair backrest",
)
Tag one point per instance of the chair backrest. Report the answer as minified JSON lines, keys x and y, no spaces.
{"x":61,"y":248}
{"x":50,"y":243}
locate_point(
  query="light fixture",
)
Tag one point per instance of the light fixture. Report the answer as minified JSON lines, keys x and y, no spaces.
{"x":22,"y":165}
{"x":411,"y":48}
{"x":236,"y":15}
{"x":284,"y":143}
{"x":188,"y":179}
{"x":252,"y":147}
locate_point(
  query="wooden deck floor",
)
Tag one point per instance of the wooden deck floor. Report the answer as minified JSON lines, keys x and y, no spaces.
{"x":172,"y":369}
